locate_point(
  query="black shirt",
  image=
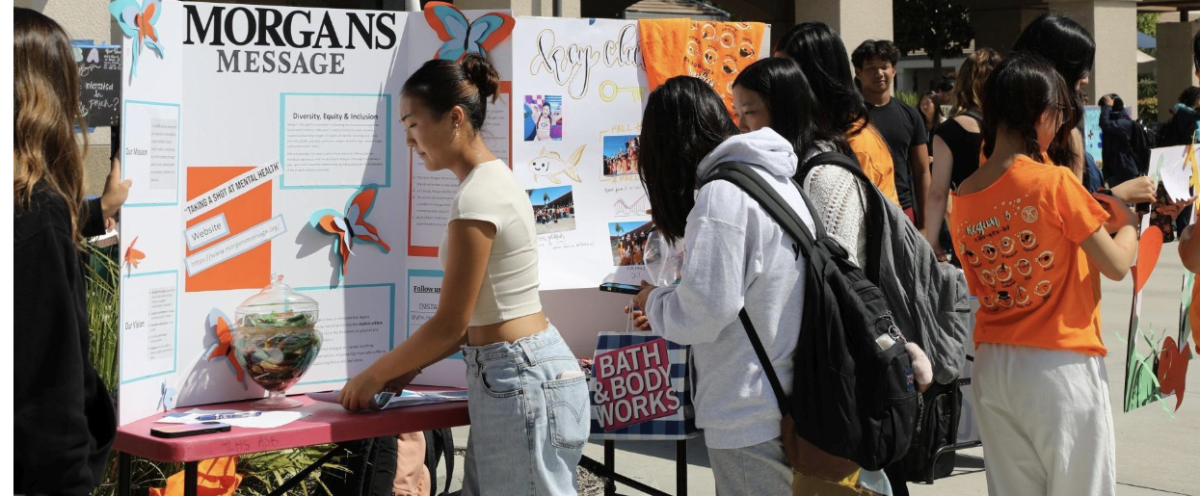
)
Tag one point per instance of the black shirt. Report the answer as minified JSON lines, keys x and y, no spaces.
{"x":902,"y":128}
{"x":964,"y":146}
{"x":64,"y":420}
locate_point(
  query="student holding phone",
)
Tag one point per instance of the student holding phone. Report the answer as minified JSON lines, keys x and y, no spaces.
{"x":64,"y":423}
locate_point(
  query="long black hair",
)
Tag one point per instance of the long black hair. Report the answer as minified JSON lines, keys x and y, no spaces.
{"x":444,"y":84}
{"x":683,"y":122}
{"x":1018,"y":92}
{"x":790,"y":99}
{"x":823,"y":59}
{"x":1070,"y":48}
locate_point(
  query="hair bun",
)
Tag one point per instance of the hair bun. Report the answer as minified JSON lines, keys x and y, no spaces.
{"x":482,"y":74}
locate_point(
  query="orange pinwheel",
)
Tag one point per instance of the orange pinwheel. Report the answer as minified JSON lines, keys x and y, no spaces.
{"x":219,"y":323}
{"x":134,"y":256}
{"x":1149,"y":248}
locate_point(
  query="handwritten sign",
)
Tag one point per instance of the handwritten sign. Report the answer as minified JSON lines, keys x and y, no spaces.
{"x":99,"y":83}
{"x":1173,"y":170}
{"x":633,"y":384}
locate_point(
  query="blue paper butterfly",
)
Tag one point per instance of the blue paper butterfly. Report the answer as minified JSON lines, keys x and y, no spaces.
{"x":137,"y":21}
{"x":462,"y":36}
{"x":350,"y":225}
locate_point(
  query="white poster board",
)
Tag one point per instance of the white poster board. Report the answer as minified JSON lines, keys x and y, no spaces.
{"x":581,"y":172}
{"x":254,"y":118}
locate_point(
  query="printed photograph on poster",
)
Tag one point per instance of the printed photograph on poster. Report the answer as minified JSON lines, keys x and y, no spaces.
{"x":627,"y":240}
{"x":543,"y":118}
{"x":621,"y":155}
{"x":553,"y":209}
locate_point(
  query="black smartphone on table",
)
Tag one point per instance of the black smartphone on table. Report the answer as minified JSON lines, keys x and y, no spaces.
{"x":185,"y":430}
{"x":612,"y":287}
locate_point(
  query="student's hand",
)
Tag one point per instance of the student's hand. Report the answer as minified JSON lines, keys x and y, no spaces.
{"x":640,"y":321}
{"x":639,"y":301}
{"x":357,"y":394}
{"x":1173,"y":209}
{"x":1118,"y":214}
{"x":115,"y":193}
{"x":398,"y":384}
{"x":1106,"y":100}
{"x":1136,"y":190}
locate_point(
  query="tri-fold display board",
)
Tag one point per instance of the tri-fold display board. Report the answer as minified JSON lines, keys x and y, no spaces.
{"x":247,"y":128}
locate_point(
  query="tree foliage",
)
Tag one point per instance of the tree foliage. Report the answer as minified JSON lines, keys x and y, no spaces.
{"x":1147,"y":22}
{"x":941,"y":28}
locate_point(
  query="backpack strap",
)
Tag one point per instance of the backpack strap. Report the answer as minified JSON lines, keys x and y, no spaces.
{"x":753,"y":184}
{"x":769,"y":369}
{"x":875,"y":203}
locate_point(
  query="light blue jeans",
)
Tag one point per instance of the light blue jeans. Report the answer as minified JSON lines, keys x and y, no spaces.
{"x":528,"y":426}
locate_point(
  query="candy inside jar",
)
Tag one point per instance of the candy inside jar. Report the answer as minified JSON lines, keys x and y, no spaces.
{"x":276,"y":340}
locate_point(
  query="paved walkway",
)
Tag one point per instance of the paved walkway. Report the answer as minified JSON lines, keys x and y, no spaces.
{"x":1156,"y":455}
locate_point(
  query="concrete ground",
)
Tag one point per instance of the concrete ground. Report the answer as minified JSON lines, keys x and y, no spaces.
{"x":1156,"y":454}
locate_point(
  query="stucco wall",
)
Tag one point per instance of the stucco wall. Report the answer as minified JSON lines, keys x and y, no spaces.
{"x":1175,"y":67}
{"x":1113,"y":24}
{"x":855,"y":20}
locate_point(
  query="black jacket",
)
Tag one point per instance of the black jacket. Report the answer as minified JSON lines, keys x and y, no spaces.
{"x":64,"y":419}
{"x":1120,"y":164}
{"x":1179,"y":130}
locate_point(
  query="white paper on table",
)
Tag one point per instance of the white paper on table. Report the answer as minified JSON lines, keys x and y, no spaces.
{"x":268,"y":420}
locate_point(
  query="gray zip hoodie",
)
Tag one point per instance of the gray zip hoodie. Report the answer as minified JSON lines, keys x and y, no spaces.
{"x":736,"y":256}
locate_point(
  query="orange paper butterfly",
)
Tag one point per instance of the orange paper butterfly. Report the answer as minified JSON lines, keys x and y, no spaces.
{"x":134,"y":256}
{"x":219,"y":323}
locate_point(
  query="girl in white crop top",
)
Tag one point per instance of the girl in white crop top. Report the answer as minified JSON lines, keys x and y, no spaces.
{"x":528,"y":398}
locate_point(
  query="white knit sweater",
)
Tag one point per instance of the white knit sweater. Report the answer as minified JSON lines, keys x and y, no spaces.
{"x":841,"y":203}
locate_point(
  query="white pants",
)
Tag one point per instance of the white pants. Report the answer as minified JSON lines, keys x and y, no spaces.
{"x":1045,"y":420}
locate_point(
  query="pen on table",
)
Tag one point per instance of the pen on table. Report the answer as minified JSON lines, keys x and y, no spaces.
{"x":223,"y":416}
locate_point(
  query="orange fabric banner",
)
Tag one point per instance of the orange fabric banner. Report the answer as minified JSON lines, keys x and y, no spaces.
{"x":715,"y":52}
{"x":217,"y":477}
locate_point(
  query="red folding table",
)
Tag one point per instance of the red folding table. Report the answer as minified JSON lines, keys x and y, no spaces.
{"x":329,"y":423}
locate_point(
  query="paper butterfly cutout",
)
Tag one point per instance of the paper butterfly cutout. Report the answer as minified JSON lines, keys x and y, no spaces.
{"x":1172,"y":369}
{"x":219,"y":325}
{"x":351,"y":225}
{"x":462,"y":36}
{"x":137,"y":21}
{"x":134,"y":256}
{"x":169,"y":395}
{"x":1149,"y":247}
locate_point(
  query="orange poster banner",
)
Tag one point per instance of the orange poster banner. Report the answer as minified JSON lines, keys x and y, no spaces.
{"x":249,"y":270}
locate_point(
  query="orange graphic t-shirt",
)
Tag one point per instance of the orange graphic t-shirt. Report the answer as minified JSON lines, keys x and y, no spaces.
{"x":875,"y":158}
{"x":1019,"y":242}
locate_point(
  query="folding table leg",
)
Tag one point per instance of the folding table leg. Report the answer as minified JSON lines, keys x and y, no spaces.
{"x":681,"y":467}
{"x":610,"y":465}
{"x":124,"y":473}
{"x":190,"y":478}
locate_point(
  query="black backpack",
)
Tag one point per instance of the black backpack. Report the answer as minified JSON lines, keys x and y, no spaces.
{"x":1141,"y":141}
{"x":854,"y":395}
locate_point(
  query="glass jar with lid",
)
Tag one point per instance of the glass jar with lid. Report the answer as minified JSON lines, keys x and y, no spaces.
{"x":276,"y":340}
